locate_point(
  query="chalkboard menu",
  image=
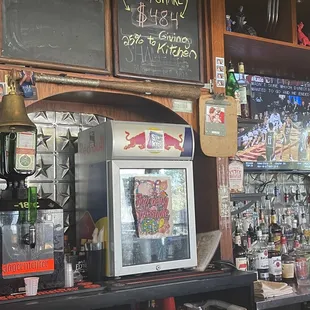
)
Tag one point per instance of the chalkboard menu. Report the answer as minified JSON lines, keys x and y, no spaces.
{"x":70,"y":32}
{"x":159,"y":39}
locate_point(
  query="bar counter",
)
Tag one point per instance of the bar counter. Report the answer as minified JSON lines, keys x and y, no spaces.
{"x":101,"y":298}
{"x":301,"y":295}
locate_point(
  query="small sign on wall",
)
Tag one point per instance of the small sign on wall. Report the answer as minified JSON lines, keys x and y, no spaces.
{"x":218,"y":125}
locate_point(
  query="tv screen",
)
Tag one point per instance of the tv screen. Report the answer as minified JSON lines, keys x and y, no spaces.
{"x":278,"y":138}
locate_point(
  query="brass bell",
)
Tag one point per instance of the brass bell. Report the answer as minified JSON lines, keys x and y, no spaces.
{"x":13,"y":114}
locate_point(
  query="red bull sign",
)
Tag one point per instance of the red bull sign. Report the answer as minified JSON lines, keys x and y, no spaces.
{"x":131,"y":140}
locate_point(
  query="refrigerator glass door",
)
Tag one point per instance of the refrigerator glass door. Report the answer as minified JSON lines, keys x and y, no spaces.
{"x":153,"y":211}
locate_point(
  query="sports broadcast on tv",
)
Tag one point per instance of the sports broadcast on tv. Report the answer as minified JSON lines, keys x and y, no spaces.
{"x":279,"y":139}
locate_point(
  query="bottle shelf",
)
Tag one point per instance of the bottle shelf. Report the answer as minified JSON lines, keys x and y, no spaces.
{"x":246,"y":197}
{"x":268,"y":56}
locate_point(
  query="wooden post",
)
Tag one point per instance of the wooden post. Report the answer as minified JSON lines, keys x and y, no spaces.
{"x":217,"y":29}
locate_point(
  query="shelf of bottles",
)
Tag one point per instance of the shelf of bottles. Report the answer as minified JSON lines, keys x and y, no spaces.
{"x":273,"y":234}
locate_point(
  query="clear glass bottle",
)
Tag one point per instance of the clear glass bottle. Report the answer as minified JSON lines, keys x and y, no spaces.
{"x":260,"y":251}
{"x":262,"y":225}
{"x":298,"y":207}
{"x":304,"y":227}
{"x":295,"y":227}
{"x":275,"y":266}
{"x":286,"y":226}
{"x":287,"y":262}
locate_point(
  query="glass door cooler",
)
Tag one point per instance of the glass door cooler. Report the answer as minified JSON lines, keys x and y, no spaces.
{"x":136,"y":181}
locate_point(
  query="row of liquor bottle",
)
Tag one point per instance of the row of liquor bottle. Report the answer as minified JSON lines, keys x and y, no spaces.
{"x":238,"y":87}
{"x":271,"y":237}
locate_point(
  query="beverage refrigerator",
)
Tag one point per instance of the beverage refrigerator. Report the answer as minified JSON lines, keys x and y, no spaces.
{"x":136,"y":180}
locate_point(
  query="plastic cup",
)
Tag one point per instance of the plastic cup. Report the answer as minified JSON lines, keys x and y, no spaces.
{"x":31,"y":286}
{"x":302,"y":272}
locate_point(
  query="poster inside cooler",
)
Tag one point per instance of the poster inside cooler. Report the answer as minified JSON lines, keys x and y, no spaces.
{"x":154,"y":219}
{"x":279,"y":140}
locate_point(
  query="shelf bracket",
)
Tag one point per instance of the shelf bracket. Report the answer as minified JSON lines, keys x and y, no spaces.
{"x":250,"y":198}
{"x":209,"y":86}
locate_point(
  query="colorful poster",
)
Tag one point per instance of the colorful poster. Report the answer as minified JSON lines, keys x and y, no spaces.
{"x":152,"y":206}
{"x":215,"y":120}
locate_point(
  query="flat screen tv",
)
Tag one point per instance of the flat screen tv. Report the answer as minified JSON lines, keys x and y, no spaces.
{"x":278,"y":139}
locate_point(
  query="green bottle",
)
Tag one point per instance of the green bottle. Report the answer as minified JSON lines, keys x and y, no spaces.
{"x":32,"y":205}
{"x":232,"y":87}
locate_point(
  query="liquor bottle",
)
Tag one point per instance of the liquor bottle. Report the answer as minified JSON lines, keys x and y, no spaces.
{"x":287,"y":262}
{"x":286,"y":226}
{"x":303,"y":242}
{"x":274,"y":259}
{"x":297,"y":242}
{"x":261,"y":257}
{"x":262,"y":225}
{"x":239,"y":253}
{"x":275,"y":230}
{"x":304,"y":227}
{"x":232,"y":87}
{"x":298,"y":207}
{"x":295,"y":228}
{"x":243,"y":90}
{"x":252,"y":234}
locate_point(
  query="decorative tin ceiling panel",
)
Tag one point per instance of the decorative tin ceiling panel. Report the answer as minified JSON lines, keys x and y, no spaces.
{"x":57,"y":143}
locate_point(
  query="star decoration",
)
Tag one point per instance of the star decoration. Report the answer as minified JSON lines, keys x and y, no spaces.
{"x":42,"y":168}
{"x":93,"y":118}
{"x":42,"y":139}
{"x":42,"y":114}
{"x":66,"y":196}
{"x":69,"y":139}
{"x":68,"y":116}
{"x":66,"y":168}
{"x":66,"y":223}
{"x":42,"y":194}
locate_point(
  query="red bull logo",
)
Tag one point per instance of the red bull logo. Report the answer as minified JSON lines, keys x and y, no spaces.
{"x":138,"y":140}
{"x":171,"y":141}
{"x":154,"y":141}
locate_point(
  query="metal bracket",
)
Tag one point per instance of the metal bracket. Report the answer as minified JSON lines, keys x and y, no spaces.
{"x":209,"y":86}
{"x":249,"y":198}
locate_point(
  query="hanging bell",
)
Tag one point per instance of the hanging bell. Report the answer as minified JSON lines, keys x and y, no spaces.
{"x":13,"y":114}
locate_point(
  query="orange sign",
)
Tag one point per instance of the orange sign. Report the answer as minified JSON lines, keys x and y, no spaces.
{"x":27,"y":267}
